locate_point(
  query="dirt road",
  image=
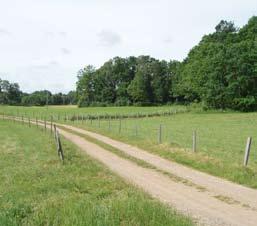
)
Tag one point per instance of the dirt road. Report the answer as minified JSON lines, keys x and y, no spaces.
{"x":206,"y":209}
{"x":215,"y":186}
{"x":218,"y":202}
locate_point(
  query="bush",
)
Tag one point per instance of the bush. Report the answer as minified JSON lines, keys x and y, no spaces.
{"x":245,"y":104}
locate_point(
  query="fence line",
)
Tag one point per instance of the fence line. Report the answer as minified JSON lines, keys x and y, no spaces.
{"x":43,"y":124}
{"x":124,"y":127}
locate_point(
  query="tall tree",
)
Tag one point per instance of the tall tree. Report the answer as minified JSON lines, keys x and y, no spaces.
{"x":85,"y":86}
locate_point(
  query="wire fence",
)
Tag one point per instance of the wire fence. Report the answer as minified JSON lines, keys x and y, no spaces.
{"x":218,"y":143}
{"x":43,"y":125}
{"x":226,"y":145}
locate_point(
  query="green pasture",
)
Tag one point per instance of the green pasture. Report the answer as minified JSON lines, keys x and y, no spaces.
{"x":221,"y":136}
{"x":72,"y":111}
{"x":221,"y":140}
{"x":37,"y":189}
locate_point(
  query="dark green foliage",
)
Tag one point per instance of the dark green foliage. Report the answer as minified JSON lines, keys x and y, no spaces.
{"x":9,"y":93}
{"x":124,"y":81}
{"x":38,"y":98}
{"x":45,"y":97}
{"x":222,"y":70}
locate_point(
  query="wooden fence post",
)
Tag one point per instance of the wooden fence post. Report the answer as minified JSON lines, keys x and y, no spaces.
{"x":55,"y":137}
{"x":60,"y":147}
{"x":160,"y":134}
{"x":58,"y":144}
{"x":55,"y":134}
{"x":247,"y":150}
{"x":51,"y":124}
{"x":194,"y":141}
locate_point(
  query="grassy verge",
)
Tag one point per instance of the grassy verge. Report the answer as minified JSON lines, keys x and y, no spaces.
{"x":36,"y":189}
{"x":221,"y":139}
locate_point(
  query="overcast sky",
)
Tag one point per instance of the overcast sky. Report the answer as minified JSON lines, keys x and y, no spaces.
{"x":43,"y":43}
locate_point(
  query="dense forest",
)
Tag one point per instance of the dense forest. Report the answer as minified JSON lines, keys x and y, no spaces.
{"x":220,"y":72}
{"x":11,"y":94}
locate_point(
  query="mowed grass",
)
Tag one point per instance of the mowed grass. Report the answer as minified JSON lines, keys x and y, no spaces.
{"x":72,"y":110}
{"x":221,"y":140}
{"x":37,"y":189}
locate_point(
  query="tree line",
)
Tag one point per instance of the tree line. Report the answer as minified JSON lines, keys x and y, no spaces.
{"x":220,"y":72}
{"x":11,"y":94}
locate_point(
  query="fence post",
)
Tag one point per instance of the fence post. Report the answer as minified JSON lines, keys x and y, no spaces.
{"x":194,"y":141}
{"x":51,"y":124}
{"x":58,"y":144}
{"x":160,"y":134}
{"x":247,"y":150}
{"x":55,"y":134}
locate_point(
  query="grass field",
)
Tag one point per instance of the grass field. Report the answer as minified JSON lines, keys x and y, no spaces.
{"x":221,"y":140}
{"x":73,"y":111}
{"x":36,"y":189}
{"x":221,"y":136}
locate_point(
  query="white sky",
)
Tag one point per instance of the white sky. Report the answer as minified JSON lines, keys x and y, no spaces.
{"x":43,"y":43}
